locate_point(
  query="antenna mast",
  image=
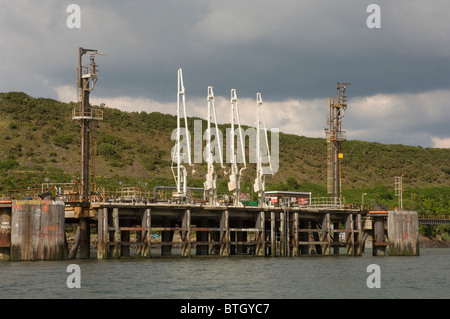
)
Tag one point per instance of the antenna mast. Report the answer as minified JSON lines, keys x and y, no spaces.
{"x":335,"y":136}
{"x":86,"y":79}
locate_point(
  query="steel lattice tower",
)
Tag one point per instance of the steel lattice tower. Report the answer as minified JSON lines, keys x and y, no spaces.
{"x":335,"y":136}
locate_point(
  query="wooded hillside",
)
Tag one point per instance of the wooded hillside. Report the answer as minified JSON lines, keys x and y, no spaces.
{"x":40,"y":140}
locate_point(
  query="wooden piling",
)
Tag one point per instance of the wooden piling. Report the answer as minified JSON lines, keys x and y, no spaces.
{"x":349,"y":236}
{"x":215,"y":238}
{"x":336,"y":236}
{"x":259,"y":236}
{"x":76,"y":243}
{"x":166,"y":239}
{"x":358,"y":234}
{"x":283,"y":233}
{"x":146,"y":234}
{"x":273,"y":239}
{"x":116,"y":251}
{"x":202,"y":239}
{"x":102,"y":233}
{"x":316,"y":228}
{"x":303,"y":237}
{"x":85,"y":238}
{"x":224,"y":234}
{"x":241,"y":238}
{"x":325,"y":234}
{"x":294,"y":235}
{"x":125,"y":239}
{"x":186,"y":234}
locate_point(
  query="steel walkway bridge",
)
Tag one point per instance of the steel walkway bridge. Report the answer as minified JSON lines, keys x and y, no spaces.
{"x":434,"y":220}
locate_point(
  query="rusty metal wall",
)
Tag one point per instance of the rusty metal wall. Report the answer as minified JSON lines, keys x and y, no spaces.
{"x":37,"y":231}
{"x":5,"y":227}
{"x":5,"y":233}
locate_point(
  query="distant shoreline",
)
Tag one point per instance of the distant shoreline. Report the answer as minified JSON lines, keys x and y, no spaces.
{"x":432,"y":242}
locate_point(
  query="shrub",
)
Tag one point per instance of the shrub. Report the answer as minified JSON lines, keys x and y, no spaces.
{"x":8,"y":164}
{"x":106,"y":149}
{"x":62,"y":140}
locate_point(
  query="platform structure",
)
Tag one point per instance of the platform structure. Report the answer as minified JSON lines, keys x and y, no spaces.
{"x":150,"y":230}
{"x":42,"y":230}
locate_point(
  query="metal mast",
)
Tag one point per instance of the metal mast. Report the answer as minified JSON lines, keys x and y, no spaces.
{"x":335,"y":136}
{"x":234,"y":185}
{"x":399,"y":190}
{"x":87,"y":77}
{"x":181,"y":175}
{"x":210,"y":184}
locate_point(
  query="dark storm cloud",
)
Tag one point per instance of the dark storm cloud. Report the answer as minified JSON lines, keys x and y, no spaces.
{"x":290,"y":50}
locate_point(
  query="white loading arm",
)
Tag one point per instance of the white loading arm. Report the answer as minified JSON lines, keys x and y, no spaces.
{"x":181,"y":175}
{"x":235,"y":176}
{"x":259,"y":185}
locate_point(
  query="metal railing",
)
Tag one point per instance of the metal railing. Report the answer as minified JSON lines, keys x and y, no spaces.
{"x":328,"y":202}
{"x":336,"y":135}
{"x":92,"y":114}
{"x":434,"y":219}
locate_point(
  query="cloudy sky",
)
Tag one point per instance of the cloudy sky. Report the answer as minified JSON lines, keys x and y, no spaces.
{"x":292,"y":51}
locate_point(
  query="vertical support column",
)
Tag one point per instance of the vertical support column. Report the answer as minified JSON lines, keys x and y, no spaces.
{"x":325,"y":234}
{"x":148,"y":219}
{"x":241,"y":237}
{"x":125,"y":238}
{"x":336,"y":238}
{"x":202,"y":236}
{"x":358,"y":235}
{"x":146,"y":234}
{"x":379,"y":241}
{"x":85,"y":238}
{"x":303,"y":237}
{"x":233,"y":239}
{"x":139,"y":238}
{"x":316,"y":228}
{"x":224,"y":234}
{"x":294,"y":235}
{"x":287,"y":233}
{"x":166,"y":239}
{"x":273,"y":239}
{"x":186,"y":234}
{"x":102,"y":233}
{"x":260,"y":238}
{"x":214,"y":237}
{"x":282,"y":234}
{"x":349,"y":236}
{"x":5,"y":234}
{"x":116,"y":252}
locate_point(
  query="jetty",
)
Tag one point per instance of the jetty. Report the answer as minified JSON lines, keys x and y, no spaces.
{"x":132,"y":224}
